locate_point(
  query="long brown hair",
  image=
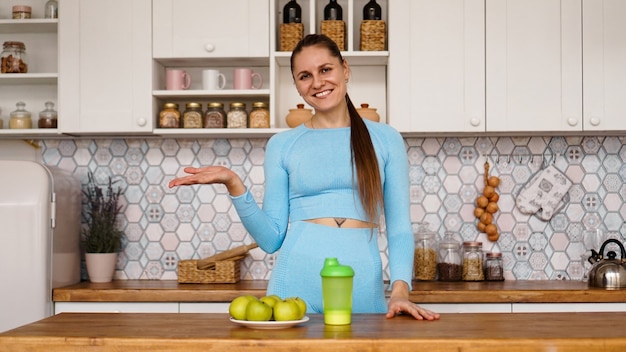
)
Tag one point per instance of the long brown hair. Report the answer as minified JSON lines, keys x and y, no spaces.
{"x":363,"y":154}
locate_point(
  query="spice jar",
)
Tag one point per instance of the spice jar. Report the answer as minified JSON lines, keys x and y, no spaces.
{"x":237,"y":116}
{"x":473,"y":261}
{"x":48,"y":117}
{"x":425,"y":258}
{"x":192,"y":116}
{"x":494,"y":267}
{"x":259,"y":116}
{"x":21,"y":12}
{"x":20,"y":118}
{"x":169,"y":116}
{"x":13,"y":58}
{"x":449,"y":261}
{"x":215,"y":116}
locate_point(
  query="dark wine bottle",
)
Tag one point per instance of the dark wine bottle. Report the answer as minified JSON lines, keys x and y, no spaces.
{"x":292,"y":12}
{"x":372,"y":11}
{"x":333,"y":11}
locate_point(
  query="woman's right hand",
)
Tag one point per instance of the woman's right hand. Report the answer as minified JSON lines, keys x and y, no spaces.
{"x":211,"y":175}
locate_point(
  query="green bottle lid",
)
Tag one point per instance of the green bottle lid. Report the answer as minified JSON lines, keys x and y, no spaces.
{"x":332,"y":268}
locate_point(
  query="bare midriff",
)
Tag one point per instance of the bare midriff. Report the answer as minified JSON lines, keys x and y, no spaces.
{"x":343,"y":223}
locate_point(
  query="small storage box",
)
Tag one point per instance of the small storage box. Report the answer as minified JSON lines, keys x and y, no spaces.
{"x":373,"y":33}
{"x":335,"y":30}
{"x":227,"y":271}
{"x":290,"y":35}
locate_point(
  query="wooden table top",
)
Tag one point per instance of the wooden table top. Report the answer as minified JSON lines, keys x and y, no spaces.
{"x":518,"y":291}
{"x":192,"y":332}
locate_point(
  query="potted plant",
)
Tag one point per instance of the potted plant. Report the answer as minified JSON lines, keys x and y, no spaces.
{"x":101,"y":237}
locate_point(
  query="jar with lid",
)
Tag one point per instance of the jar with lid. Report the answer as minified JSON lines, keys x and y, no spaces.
{"x":215,"y":116}
{"x":51,"y":9}
{"x":494,"y":267}
{"x":259,"y":116}
{"x":449,"y":260}
{"x":425,"y":258}
{"x":13,"y":58}
{"x":473,"y":261}
{"x":48,"y":117}
{"x":20,"y":118}
{"x":237,"y":116}
{"x":192,"y":116}
{"x":21,"y":12}
{"x":169,"y":116}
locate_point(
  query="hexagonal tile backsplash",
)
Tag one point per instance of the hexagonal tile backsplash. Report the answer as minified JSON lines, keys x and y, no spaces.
{"x":163,"y":225}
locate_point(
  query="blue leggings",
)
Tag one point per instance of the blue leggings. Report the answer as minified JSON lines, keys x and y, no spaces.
{"x":301,"y":258}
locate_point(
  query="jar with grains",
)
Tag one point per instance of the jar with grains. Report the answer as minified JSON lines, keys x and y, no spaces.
{"x":259,"y":116}
{"x":20,"y":118}
{"x":450,"y":261}
{"x":21,"y":12}
{"x":473,"y":261}
{"x":494,"y":267}
{"x":48,"y":117}
{"x":169,"y":116}
{"x":215,"y":116}
{"x":13,"y":58}
{"x":237,"y":116}
{"x":425,"y":258}
{"x":192,"y":117}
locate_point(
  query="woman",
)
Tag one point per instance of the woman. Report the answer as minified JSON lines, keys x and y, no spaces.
{"x":326,"y":183}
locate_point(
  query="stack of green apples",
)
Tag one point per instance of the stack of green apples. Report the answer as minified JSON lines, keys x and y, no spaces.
{"x":267,"y":308}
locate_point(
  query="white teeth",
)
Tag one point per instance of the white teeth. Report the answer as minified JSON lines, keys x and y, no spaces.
{"x":322,"y":94}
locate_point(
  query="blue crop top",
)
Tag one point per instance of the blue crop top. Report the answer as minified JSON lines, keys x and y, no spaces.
{"x":309,"y":174}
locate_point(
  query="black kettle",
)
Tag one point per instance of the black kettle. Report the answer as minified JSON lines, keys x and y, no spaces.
{"x":608,"y":272}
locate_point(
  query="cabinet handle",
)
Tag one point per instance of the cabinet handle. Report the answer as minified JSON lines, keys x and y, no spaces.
{"x":475,"y":121}
{"x":141,"y":122}
{"x":572,"y":121}
{"x":594,"y":121}
{"x":209,"y":47}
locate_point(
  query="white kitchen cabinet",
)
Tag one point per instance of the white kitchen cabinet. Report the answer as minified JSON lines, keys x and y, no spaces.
{"x":215,"y":307}
{"x":567,"y":307}
{"x":437,"y":66}
{"x":604,"y":72}
{"x":115,"y":307}
{"x":468,"y":307}
{"x":105,"y":74}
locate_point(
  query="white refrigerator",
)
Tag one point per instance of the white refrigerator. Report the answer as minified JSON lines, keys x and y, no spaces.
{"x":40,"y":209}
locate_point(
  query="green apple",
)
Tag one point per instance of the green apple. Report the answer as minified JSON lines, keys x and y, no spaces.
{"x":258,"y":311}
{"x":286,"y":310}
{"x":269,"y":300}
{"x":301,"y":304}
{"x":237,"y":307}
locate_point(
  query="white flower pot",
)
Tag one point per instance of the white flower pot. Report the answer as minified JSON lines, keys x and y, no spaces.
{"x":100,"y":266}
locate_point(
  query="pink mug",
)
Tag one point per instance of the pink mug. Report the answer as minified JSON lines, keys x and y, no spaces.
{"x":244,"y":78}
{"x":177,"y":79}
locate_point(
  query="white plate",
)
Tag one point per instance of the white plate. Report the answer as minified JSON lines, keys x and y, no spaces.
{"x":269,"y":324}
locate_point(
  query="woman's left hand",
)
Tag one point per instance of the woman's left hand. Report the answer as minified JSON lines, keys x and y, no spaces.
{"x":399,"y":304}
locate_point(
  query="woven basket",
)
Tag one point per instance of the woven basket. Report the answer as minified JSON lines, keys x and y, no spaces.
{"x":373,"y":34}
{"x":227,"y":271}
{"x":335,"y":30}
{"x":290,"y":35}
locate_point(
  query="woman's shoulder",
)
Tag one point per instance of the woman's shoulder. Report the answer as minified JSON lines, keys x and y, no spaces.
{"x":382,"y":130}
{"x":287,"y":136}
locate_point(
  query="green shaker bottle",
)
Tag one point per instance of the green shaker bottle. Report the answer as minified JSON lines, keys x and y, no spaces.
{"x":337,"y":292}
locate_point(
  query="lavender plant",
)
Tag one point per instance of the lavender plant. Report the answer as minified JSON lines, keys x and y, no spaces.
{"x":100,"y":213}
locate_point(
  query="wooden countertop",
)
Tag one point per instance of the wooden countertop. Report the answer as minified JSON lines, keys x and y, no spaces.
{"x":192,"y":332}
{"x":539,"y":291}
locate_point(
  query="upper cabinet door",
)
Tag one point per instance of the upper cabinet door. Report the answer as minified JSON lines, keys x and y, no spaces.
{"x":604,"y":64}
{"x":210,"y":28}
{"x":105,"y":69}
{"x":437,"y":66}
{"x":534,"y":65}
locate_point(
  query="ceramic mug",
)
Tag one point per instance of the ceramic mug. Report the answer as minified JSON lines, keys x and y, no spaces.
{"x":244,"y":79}
{"x":177,"y":79}
{"x":213,"y":79}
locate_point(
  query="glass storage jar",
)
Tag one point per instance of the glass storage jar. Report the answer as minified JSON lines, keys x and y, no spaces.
{"x":13,"y":58}
{"x":259,"y":116}
{"x":192,"y":116}
{"x":169,"y":116}
{"x":425,"y":258}
{"x":48,"y":117}
{"x":21,"y":12}
{"x":20,"y":118}
{"x":473,"y":261}
{"x":215,"y":116}
{"x":51,"y":9}
{"x":449,"y":261}
{"x":494,"y":267}
{"x":237,"y":116}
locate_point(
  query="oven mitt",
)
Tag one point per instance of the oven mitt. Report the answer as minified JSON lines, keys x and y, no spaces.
{"x":543,"y":193}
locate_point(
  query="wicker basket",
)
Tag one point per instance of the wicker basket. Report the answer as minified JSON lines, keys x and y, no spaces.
{"x":335,"y":30}
{"x":290,"y":35}
{"x":373,"y":34}
{"x":227,"y":271}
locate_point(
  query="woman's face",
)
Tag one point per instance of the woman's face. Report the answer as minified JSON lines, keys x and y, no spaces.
{"x":320,"y":79}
